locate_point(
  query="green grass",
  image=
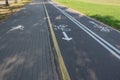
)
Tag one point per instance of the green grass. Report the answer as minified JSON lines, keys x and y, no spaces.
{"x":108,"y":11}
{"x":112,"y":2}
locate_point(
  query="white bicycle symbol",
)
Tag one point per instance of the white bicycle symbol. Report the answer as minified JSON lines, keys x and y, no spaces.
{"x":62,"y":27}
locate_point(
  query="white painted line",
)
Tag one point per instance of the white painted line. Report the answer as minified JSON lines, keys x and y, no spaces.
{"x":100,"y":40}
{"x":66,"y":37}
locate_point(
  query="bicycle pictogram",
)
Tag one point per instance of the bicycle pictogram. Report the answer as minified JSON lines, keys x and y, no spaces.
{"x":62,"y":27}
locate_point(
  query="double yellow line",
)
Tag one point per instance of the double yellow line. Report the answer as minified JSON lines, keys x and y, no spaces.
{"x":64,"y":72}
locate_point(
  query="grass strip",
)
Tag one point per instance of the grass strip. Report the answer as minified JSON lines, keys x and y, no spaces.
{"x":106,"y":13}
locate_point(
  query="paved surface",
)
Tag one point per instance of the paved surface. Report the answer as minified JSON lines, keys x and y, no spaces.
{"x":87,"y":56}
{"x":25,"y":52}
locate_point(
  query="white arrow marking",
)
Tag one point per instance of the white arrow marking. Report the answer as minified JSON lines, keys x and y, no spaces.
{"x":17,"y":27}
{"x":66,"y":37}
{"x":20,"y":27}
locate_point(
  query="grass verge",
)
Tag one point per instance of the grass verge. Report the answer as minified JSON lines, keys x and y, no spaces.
{"x":7,"y":11}
{"x":104,"y":12}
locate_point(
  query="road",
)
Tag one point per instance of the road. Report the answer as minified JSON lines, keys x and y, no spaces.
{"x":58,"y":45}
{"x":90,"y":49}
{"x":25,"y":52}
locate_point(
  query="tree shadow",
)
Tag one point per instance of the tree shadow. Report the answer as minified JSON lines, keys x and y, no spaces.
{"x":109,"y":20}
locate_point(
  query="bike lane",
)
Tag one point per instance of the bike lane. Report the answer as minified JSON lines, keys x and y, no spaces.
{"x":84,"y":57}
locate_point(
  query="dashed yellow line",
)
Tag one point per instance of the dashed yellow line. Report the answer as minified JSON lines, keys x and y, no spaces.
{"x":64,"y":72}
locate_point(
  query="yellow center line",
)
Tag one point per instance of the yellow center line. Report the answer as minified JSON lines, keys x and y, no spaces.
{"x":64,"y":72}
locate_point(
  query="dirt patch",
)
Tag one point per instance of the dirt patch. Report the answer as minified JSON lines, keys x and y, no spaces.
{"x":7,"y":11}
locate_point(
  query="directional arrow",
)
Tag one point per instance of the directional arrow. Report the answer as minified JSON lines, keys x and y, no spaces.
{"x":20,"y":27}
{"x":66,"y":37}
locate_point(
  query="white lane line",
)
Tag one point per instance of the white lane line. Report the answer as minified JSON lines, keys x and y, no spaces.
{"x":100,"y":40}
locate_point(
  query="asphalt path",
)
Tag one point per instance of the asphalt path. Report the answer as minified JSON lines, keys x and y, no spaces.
{"x":25,"y":52}
{"x":90,"y":49}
